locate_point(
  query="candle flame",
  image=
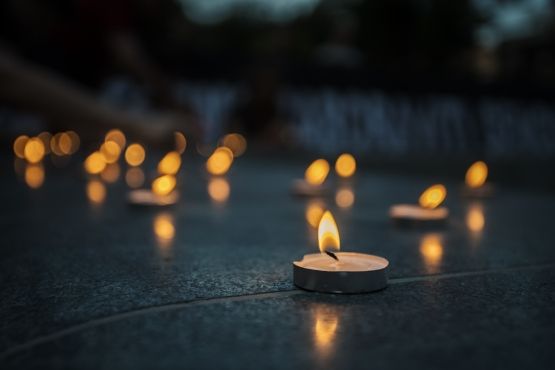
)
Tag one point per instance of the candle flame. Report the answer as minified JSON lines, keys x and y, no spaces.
{"x":170,"y":164}
{"x":163,"y":185}
{"x":476,"y":174}
{"x":95,"y":163}
{"x":328,"y":235}
{"x":135,"y":155}
{"x":317,"y":172}
{"x":34,"y":150}
{"x":433,"y":196}
{"x":220,"y":161}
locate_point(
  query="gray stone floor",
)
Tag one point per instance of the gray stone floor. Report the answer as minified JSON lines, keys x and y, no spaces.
{"x":91,"y":286}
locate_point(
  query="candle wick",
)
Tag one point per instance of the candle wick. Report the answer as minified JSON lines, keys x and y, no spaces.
{"x":332,"y":255}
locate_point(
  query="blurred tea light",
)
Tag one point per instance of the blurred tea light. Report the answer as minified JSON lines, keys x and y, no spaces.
{"x":314,"y":177}
{"x":19,"y":146}
{"x":345,"y":165}
{"x":325,"y":327}
{"x":164,"y":229}
{"x":218,"y":189}
{"x":135,"y":177}
{"x":95,"y":163}
{"x":111,"y":151}
{"x":314,"y":212}
{"x":236,"y":143}
{"x":220,"y":161}
{"x":34,"y":175}
{"x":169,"y":164}
{"x":117,"y":137}
{"x":180,"y":142}
{"x":475,"y":219}
{"x":135,"y":155}
{"x":428,"y":210}
{"x":431,"y":251}
{"x":163,"y":185}
{"x":110,"y":173}
{"x":344,"y":197}
{"x":34,"y":150}
{"x":64,"y":143}
{"x":332,"y":271}
{"x":96,"y":191}
{"x":476,"y":175}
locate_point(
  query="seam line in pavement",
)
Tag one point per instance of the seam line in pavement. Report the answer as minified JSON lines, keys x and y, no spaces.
{"x":202,"y":302}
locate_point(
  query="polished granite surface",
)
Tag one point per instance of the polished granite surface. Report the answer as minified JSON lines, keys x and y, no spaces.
{"x":88,"y":285}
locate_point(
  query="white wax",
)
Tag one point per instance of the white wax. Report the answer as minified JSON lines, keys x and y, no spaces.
{"x":348,"y":262}
{"x":416,"y":212}
{"x":148,"y":198}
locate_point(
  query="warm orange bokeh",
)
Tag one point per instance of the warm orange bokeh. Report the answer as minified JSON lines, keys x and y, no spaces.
{"x":433,"y":196}
{"x":317,"y":172}
{"x":345,"y":165}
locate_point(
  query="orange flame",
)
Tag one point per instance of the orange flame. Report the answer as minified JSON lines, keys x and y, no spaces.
{"x":476,"y":174}
{"x":220,"y":161}
{"x":163,"y":185}
{"x":345,"y":165}
{"x":328,"y":235}
{"x":433,"y":196}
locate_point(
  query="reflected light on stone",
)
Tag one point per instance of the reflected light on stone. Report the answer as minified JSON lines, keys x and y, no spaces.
{"x":180,"y":142}
{"x":34,"y":175}
{"x":111,"y":172}
{"x":135,"y":177}
{"x":218,"y":189}
{"x":163,"y":185}
{"x":164,"y":229}
{"x":169,"y":164}
{"x":345,"y":197}
{"x":116,"y":136}
{"x":220,"y":161}
{"x":433,"y":196}
{"x":95,"y":163}
{"x":317,"y":172}
{"x":236,"y":143}
{"x":19,"y":146}
{"x":346,"y":165}
{"x":431,"y":251}
{"x":314,"y":212}
{"x":111,"y":151}
{"x":475,"y":219}
{"x":135,"y":155}
{"x":325,"y":328}
{"x":96,"y":191}
{"x":34,"y":150}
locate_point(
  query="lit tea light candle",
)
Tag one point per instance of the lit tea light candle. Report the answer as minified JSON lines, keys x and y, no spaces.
{"x":331,"y":271}
{"x":161,"y":194}
{"x":313,"y":182}
{"x":475,"y":181}
{"x":426,"y":212}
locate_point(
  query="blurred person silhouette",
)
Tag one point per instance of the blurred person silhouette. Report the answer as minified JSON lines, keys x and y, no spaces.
{"x":54,"y":54}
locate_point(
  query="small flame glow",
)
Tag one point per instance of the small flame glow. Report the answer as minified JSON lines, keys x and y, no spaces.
{"x":433,"y":196}
{"x":476,"y":175}
{"x":170,"y":164}
{"x":220,"y":161}
{"x":345,"y":165}
{"x":135,"y":155}
{"x":163,"y":185}
{"x":328,"y":235}
{"x":317,"y":172}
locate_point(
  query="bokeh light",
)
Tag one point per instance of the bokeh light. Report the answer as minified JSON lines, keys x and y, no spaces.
{"x":135,"y":155}
{"x":325,"y":328}
{"x":344,"y":197}
{"x":476,"y":175}
{"x":180,"y":142}
{"x":110,"y":173}
{"x":45,"y":137}
{"x":219,"y":189}
{"x":19,"y":146}
{"x":345,"y":165}
{"x":95,"y":163}
{"x":220,"y":161}
{"x":317,"y":172}
{"x":314,"y":212}
{"x":34,"y":175}
{"x":475,"y":220}
{"x":431,"y":250}
{"x":236,"y":143}
{"x":116,"y":136}
{"x":111,"y":151}
{"x":34,"y":150}
{"x":163,"y":185}
{"x":64,"y":143}
{"x":135,"y":177}
{"x":96,"y":191}
{"x":169,"y":164}
{"x":164,"y":229}
{"x":433,"y":196}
